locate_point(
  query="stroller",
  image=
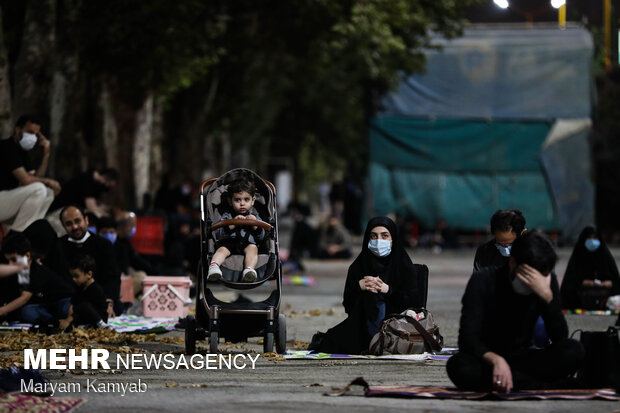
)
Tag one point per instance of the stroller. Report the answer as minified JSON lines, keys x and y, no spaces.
{"x":236,"y":321}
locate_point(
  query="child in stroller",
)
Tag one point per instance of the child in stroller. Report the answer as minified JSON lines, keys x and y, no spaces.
{"x":232,"y":239}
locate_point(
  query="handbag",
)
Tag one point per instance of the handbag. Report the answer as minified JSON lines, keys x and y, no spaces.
{"x":601,"y":364}
{"x":411,"y":332}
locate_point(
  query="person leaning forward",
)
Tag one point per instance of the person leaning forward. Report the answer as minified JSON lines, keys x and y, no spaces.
{"x":500,"y":307}
{"x":25,"y":193}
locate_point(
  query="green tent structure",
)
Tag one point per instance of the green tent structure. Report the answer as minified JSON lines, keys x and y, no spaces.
{"x":500,"y":119}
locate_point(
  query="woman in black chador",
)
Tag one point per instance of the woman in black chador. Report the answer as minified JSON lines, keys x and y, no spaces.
{"x":381,"y":281}
{"x":590,"y":267}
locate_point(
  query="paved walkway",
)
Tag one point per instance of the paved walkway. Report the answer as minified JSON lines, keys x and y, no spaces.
{"x":298,"y":385}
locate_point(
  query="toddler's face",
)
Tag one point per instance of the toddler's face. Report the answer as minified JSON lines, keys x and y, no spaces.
{"x":80,"y":278}
{"x":241,"y":202}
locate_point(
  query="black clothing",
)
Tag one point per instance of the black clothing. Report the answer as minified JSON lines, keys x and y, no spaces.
{"x":487,"y":255}
{"x":535,"y":368}
{"x":588,"y":265}
{"x":126,"y":256}
{"x":12,"y":156}
{"x":495,"y":318}
{"x":100,"y":249}
{"x":44,"y":245}
{"x":84,"y":301}
{"x":77,"y":189}
{"x":407,"y":289}
{"x":46,"y":286}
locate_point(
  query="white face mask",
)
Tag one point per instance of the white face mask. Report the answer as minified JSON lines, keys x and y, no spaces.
{"x":380,"y":247}
{"x":28,"y":141}
{"x":505,"y":251}
{"x":519,"y":287}
{"x":23,"y":276}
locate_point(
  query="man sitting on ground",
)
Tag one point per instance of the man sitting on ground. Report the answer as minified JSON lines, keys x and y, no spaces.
{"x":80,"y":241}
{"x":500,"y":307}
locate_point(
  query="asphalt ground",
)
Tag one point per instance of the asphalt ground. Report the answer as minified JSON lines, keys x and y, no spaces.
{"x":299,"y":385}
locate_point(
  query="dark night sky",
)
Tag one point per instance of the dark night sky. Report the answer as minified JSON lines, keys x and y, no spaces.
{"x":586,"y":11}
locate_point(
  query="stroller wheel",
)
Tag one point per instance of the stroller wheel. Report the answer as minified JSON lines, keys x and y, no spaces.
{"x":214,"y":338}
{"x":190,"y":335}
{"x":268,"y":343}
{"x":281,"y":338}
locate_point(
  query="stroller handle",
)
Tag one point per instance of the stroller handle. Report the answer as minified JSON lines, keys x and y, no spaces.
{"x":242,"y":222}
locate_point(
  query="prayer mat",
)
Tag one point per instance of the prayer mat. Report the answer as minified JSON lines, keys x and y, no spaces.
{"x":308,"y":355}
{"x":580,"y":311}
{"x":141,"y":325}
{"x":22,"y":403}
{"x":15,"y":327}
{"x":434,"y":392}
{"x":298,"y":280}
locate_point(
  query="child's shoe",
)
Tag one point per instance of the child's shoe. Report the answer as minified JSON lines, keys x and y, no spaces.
{"x":249,"y":275}
{"x":215,"y":273}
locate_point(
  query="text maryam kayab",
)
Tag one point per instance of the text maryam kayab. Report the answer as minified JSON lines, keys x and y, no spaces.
{"x":61,"y":359}
{"x":91,"y":386}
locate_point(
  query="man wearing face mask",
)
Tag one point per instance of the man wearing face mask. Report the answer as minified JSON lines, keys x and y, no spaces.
{"x":129,"y":262}
{"x":506,"y":226}
{"x":25,"y":193}
{"x":500,"y":307}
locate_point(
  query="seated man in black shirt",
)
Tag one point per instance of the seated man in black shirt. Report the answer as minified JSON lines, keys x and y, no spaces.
{"x":500,"y":307}
{"x":25,"y":192}
{"x":43,"y":295}
{"x":80,"y":241}
{"x":88,"y":305}
{"x":84,"y":190}
{"x":506,"y":226}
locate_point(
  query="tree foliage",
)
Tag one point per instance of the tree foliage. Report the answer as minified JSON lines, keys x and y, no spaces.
{"x":265,"y":78}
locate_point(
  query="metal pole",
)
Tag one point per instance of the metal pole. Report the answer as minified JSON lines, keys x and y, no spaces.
{"x":562,"y":16}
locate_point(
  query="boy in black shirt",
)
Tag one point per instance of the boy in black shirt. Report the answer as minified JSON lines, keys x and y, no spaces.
{"x":43,"y":295}
{"x":88,"y":305}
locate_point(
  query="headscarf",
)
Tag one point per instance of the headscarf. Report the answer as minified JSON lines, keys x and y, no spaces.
{"x":391,"y":269}
{"x":585,"y":264}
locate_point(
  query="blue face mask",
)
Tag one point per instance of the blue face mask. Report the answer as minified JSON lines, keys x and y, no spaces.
{"x":505,"y":251}
{"x":110,"y":236}
{"x":132,"y":232}
{"x":380,"y":247}
{"x":592,"y":244}
{"x":92,"y":229}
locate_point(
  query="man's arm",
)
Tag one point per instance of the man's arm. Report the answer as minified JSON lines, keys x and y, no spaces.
{"x":45,"y":143}
{"x":24,"y":178}
{"x":16,"y":303}
{"x":502,"y":375}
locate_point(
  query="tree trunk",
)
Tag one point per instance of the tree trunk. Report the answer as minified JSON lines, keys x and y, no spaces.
{"x":32,"y":73}
{"x":157,"y":158}
{"x":6,"y":117}
{"x":142,"y":149}
{"x":109,"y":127}
{"x":63,"y":107}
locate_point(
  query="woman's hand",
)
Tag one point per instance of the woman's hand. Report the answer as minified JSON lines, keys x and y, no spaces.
{"x":373,"y":284}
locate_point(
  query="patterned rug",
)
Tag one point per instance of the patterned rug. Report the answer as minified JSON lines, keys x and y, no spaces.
{"x":21,"y":403}
{"x":308,"y":355}
{"x":141,"y":325}
{"x":580,"y":311}
{"x":432,"y":392}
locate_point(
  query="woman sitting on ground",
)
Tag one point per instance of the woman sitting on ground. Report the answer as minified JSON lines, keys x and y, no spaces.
{"x":381,"y":281}
{"x":591,"y":274}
